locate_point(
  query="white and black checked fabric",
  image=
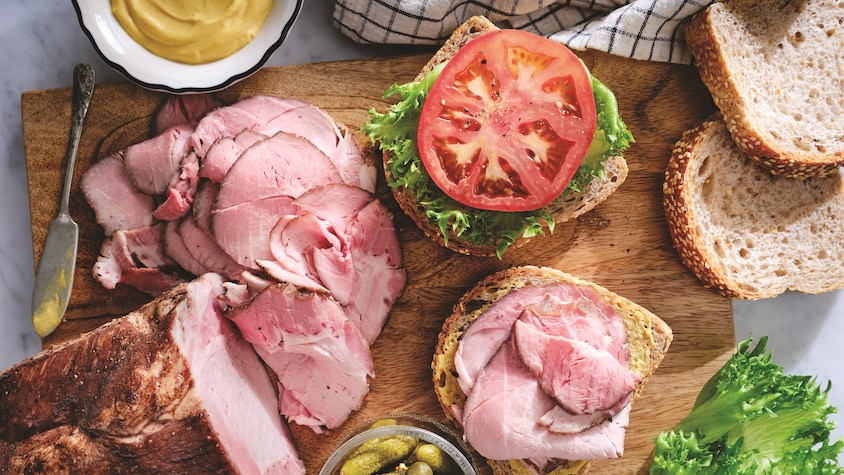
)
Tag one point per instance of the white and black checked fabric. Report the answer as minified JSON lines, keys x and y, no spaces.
{"x":641,"y":29}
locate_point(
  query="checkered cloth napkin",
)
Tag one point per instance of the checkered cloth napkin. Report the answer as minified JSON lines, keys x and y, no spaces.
{"x":640,"y":29}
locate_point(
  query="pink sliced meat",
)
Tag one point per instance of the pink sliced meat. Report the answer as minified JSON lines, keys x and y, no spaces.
{"x":309,"y":121}
{"x":283,"y":164}
{"x":502,"y":413}
{"x":267,"y":115}
{"x":203,"y":203}
{"x":205,"y":250}
{"x":588,"y":318}
{"x":322,"y":360}
{"x":183,"y":109}
{"x":243,"y":231}
{"x":153,"y":163}
{"x":176,"y":249}
{"x":493,"y":327}
{"x":582,"y":379}
{"x":250,"y":113}
{"x":224,"y":152}
{"x":117,"y":204}
{"x":342,"y":238}
{"x":182,"y":191}
{"x":136,"y":258}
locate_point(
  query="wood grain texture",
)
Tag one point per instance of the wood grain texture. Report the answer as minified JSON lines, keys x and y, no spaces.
{"x":622,"y":245}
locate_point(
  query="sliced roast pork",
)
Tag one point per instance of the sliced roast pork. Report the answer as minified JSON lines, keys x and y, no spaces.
{"x":179,"y":196}
{"x":224,"y":152}
{"x":170,"y":388}
{"x":342,"y":238}
{"x":547,"y":375}
{"x":136,"y":258}
{"x":185,"y":109}
{"x":117,"y":204}
{"x":153,"y":163}
{"x":267,"y":115}
{"x":502,"y":413}
{"x":322,"y":360}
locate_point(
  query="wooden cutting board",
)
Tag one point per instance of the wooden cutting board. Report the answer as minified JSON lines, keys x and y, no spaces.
{"x":623,"y":245}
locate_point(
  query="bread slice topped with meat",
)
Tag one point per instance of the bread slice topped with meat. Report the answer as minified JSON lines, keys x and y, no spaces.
{"x":748,"y":233}
{"x":539,"y":369}
{"x":774,"y":70}
{"x":501,"y":135}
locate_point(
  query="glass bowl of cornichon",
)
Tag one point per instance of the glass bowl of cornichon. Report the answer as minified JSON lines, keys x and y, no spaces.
{"x":400,"y":444}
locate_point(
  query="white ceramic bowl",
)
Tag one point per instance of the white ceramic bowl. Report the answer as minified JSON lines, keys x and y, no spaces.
{"x":146,"y":69}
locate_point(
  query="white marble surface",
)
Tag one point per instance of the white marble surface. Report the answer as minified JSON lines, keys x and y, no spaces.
{"x":40,"y":42}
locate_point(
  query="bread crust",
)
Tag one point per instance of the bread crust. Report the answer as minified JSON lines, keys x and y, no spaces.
{"x":642,"y":326}
{"x":720,"y":37}
{"x":780,"y":223}
{"x":564,"y":208}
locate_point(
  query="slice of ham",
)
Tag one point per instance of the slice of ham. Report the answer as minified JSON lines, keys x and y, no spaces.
{"x":153,"y":163}
{"x":203,"y":203}
{"x":581,"y":378}
{"x":204,"y":249}
{"x":267,"y":115}
{"x":342,"y":238}
{"x":136,"y":258}
{"x":243,"y":231}
{"x":117,"y":204}
{"x":502,"y":413}
{"x":224,"y":152}
{"x":322,"y":363}
{"x":250,"y":113}
{"x":281,"y":165}
{"x":181,"y":192}
{"x":183,"y":109}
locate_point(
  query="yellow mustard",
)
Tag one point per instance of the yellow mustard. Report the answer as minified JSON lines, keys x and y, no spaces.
{"x":192,"y":31}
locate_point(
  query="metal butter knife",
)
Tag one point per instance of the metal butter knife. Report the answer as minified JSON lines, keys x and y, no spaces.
{"x":54,"y":277}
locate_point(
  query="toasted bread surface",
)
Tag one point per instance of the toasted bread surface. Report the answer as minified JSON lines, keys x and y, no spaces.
{"x":748,"y":233}
{"x":649,"y":338}
{"x":773,"y":68}
{"x":565,"y":208}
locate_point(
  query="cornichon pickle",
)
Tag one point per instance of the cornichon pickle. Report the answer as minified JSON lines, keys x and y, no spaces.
{"x":372,"y":444}
{"x":384,"y":422}
{"x":419,"y":468}
{"x":434,"y":457}
{"x":377,"y":455}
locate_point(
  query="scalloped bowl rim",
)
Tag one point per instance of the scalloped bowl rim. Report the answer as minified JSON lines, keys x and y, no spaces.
{"x":153,"y":72}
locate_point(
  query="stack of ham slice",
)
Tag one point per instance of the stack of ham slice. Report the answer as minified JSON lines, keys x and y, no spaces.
{"x":547,"y":376}
{"x":276,"y":197}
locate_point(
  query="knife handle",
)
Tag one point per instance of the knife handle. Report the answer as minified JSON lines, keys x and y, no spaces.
{"x":83,"y":89}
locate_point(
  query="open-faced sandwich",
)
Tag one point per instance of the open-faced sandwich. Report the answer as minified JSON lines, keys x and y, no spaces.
{"x":539,"y":369}
{"x":502,"y":135}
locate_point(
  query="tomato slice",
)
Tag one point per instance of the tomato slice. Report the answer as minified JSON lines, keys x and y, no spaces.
{"x":508,"y":122}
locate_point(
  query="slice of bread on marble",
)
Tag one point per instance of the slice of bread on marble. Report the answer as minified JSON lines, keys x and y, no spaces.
{"x":774,"y":70}
{"x":565,"y":208}
{"x":748,"y":233}
{"x":648,"y":339}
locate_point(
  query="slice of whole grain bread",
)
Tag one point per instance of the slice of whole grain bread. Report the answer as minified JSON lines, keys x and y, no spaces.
{"x":774,"y":68}
{"x":649,"y":338}
{"x":746,"y":232}
{"x":564,"y":208}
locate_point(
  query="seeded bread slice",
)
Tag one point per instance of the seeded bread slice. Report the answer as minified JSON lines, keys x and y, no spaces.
{"x":564,"y":208}
{"x":774,"y":70}
{"x":649,"y":338}
{"x":746,"y":232}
